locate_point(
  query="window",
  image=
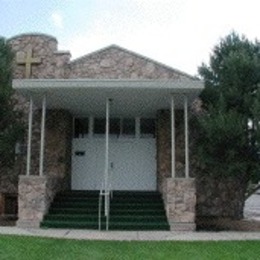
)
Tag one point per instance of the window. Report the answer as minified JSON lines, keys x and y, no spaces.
{"x":118,"y":127}
{"x":128,"y":126}
{"x":114,"y":126}
{"x":147,"y":127}
{"x":81,"y":126}
{"x":99,"y":126}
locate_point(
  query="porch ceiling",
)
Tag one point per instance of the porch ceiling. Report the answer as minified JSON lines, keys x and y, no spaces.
{"x":88,"y":96}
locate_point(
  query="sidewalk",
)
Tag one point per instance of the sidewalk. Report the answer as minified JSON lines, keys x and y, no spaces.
{"x":130,"y":235}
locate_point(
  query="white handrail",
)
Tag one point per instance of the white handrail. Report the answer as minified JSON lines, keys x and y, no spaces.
{"x":106,"y":192}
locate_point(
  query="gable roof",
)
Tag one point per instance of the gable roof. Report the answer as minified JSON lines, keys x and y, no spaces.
{"x":132,"y":53}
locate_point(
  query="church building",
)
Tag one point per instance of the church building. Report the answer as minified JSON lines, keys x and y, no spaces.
{"x":109,"y":128}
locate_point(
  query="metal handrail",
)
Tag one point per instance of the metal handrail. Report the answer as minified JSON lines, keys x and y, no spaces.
{"x":106,"y":192}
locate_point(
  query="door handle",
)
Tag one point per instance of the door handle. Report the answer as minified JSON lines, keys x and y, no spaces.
{"x":112,"y":165}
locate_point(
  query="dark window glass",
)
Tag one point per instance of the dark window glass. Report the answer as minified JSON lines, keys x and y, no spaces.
{"x":128,"y":126}
{"x":147,"y":127}
{"x":114,"y":126}
{"x":99,"y":126}
{"x":80,"y":127}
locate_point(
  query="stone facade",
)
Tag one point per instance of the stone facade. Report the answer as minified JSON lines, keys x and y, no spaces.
{"x":115,"y":62}
{"x":58,"y":146}
{"x":179,"y":194}
{"x":52,"y":64}
{"x":163,"y":137}
{"x":36,"y":192}
{"x":35,"y":196}
{"x":180,"y":200}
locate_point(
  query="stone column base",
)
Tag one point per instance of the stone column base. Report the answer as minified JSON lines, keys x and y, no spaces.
{"x":32,"y":203}
{"x":179,"y":226}
{"x":28,"y":223}
{"x":179,"y":196}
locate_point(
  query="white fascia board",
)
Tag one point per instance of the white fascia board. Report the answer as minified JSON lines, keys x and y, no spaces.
{"x":180,"y":86}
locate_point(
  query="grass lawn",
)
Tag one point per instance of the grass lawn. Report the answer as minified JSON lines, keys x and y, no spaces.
{"x":19,"y":247}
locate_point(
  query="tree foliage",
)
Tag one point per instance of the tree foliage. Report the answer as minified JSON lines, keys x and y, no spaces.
{"x":11,"y":128}
{"x":229,"y":133}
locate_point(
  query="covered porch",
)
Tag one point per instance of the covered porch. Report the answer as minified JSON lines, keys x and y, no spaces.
{"x":107,"y":99}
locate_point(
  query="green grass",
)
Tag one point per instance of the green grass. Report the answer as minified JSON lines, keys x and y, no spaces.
{"x":20,"y":247}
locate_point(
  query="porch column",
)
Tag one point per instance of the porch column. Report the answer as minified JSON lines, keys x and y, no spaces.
{"x":107,"y":144}
{"x":29,"y":141}
{"x":172,"y":138}
{"x":42,"y":136}
{"x":186,"y":133}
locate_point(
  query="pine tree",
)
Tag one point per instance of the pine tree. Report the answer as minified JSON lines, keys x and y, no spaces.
{"x":228,"y":142}
{"x":11,"y":128}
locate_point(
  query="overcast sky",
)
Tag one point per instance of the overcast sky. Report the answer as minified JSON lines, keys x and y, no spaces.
{"x":178,"y":33}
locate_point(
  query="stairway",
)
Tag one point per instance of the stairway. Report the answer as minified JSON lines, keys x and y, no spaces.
{"x":130,"y":210}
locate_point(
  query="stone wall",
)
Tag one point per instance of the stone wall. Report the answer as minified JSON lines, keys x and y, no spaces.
{"x":117,"y":63}
{"x":180,"y":199}
{"x":35,"y":196}
{"x":58,"y":146}
{"x":163,"y":138}
{"x":53,"y":63}
{"x":32,"y":200}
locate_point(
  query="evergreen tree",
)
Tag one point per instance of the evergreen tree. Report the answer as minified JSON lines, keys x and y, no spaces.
{"x":11,"y":128}
{"x":229,"y":135}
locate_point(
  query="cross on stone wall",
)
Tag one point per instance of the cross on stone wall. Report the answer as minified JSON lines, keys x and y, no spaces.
{"x":28,"y":61}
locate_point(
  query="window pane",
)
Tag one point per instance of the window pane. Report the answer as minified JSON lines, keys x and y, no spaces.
{"x":80,"y":127}
{"x":99,"y":126}
{"x":114,"y":126}
{"x":147,"y":127}
{"x":128,"y":126}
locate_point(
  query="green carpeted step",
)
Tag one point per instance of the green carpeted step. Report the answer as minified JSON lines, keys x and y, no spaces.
{"x":129,"y":210}
{"x":91,"y":217}
{"x":112,"y":211}
{"x":70,"y":224}
{"x":112,"y":225}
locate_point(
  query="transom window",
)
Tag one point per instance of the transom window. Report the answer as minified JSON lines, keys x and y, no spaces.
{"x":118,"y":127}
{"x":81,"y":127}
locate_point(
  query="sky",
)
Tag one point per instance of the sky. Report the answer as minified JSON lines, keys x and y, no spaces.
{"x":177,"y":33}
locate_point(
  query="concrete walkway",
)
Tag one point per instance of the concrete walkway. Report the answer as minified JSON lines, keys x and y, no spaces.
{"x":131,"y":235}
{"x":252,"y":207}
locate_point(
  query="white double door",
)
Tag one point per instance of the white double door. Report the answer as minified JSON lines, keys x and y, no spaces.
{"x":132,"y":163}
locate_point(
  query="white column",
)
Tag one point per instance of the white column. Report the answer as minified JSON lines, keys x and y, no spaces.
{"x":173,"y":137}
{"x":107,"y":143}
{"x":91,"y":126}
{"x":107,"y":157}
{"x":29,"y":141}
{"x":42,"y":136}
{"x":186,"y":132}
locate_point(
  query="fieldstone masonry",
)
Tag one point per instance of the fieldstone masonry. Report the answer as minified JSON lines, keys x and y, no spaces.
{"x":117,"y":63}
{"x":179,"y":194}
{"x":180,"y":200}
{"x":52,"y":63}
{"x":35,"y":195}
{"x":113,"y":62}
